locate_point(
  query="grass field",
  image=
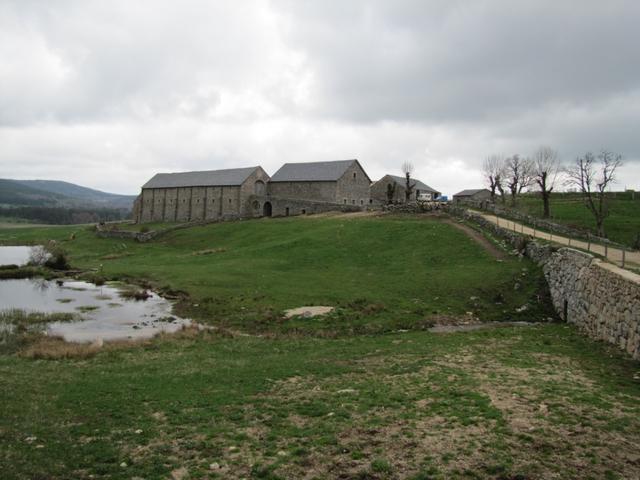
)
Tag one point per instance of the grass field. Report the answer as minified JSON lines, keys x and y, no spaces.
{"x":362,"y":394}
{"x":381,"y":273}
{"x":622,"y":225}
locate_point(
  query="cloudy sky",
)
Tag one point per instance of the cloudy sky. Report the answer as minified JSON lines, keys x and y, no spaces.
{"x":107,"y":93}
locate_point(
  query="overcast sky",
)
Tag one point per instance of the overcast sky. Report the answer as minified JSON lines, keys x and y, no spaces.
{"x":107,"y":93}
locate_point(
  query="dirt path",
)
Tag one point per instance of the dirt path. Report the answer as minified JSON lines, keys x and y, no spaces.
{"x":614,"y":255}
{"x":477,"y":237}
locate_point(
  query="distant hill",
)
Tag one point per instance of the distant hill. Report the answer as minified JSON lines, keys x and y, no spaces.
{"x":57,"y":202}
{"x":54,"y":193}
{"x":71,"y":190}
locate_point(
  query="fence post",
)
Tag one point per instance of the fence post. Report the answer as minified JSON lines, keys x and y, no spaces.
{"x":588,"y":242}
{"x":624,"y":250}
{"x":606,"y":250}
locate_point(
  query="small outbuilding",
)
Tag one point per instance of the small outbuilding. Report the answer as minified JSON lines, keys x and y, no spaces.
{"x":472,"y":196}
{"x":392,"y":189}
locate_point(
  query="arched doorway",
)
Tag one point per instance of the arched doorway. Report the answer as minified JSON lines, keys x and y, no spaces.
{"x":266,"y":209}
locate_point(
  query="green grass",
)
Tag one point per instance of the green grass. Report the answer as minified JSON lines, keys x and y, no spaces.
{"x":622,"y":225}
{"x":381,"y":273}
{"x":345,"y":396}
{"x":412,"y":405}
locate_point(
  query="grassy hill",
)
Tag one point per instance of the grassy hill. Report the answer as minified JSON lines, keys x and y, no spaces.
{"x":383,"y":273}
{"x":622,"y":226}
{"x":363,"y":394}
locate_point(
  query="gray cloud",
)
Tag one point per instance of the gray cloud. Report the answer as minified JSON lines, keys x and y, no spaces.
{"x":108,"y":93}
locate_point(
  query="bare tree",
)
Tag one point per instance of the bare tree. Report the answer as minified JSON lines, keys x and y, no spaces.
{"x":493,"y":170}
{"x":545,"y":172}
{"x":593,"y":175}
{"x":518,"y":175}
{"x":407,"y":169}
{"x":391,"y":191}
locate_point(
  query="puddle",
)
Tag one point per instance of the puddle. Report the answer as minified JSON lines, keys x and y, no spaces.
{"x":15,"y":255}
{"x":104,"y":313}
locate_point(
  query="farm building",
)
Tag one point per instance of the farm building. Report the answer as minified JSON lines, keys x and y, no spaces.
{"x":341,"y":182}
{"x":193,"y":196}
{"x":380,"y":190}
{"x":472,"y":196}
{"x":296,"y":188}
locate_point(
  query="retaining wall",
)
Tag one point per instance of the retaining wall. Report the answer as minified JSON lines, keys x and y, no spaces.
{"x":600,"y":298}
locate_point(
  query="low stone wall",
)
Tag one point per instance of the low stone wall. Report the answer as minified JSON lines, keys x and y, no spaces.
{"x":106,"y":231}
{"x":284,"y":207}
{"x":600,"y":298}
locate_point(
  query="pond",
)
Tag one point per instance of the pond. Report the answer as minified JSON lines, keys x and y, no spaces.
{"x":104,"y":313}
{"x":15,"y":255}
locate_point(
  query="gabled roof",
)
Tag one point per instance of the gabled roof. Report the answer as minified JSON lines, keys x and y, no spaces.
{"x":468,"y":193}
{"x":313,"y":171}
{"x":402,"y":181}
{"x":208,"y":178}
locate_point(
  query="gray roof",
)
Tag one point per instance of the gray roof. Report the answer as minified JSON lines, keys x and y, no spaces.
{"x":402,"y":181}
{"x":208,"y":178}
{"x":468,"y":193}
{"x":312,"y":172}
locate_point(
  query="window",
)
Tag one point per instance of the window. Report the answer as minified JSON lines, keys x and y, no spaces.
{"x":361,"y":202}
{"x":370,"y":201}
{"x":344,"y":201}
{"x":353,"y":201}
{"x":354,"y":175}
{"x":229,"y":200}
{"x":286,"y":211}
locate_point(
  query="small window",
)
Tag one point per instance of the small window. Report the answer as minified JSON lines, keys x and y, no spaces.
{"x":354,"y":175}
{"x":345,"y":201}
{"x":286,"y":211}
{"x":353,"y":201}
{"x":361,"y":202}
{"x":370,"y":201}
{"x":229,"y":200}
{"x":213,"y":200}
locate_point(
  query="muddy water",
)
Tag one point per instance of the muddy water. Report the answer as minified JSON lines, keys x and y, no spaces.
{"x":104,"y":313}
{"x":14,"y":255}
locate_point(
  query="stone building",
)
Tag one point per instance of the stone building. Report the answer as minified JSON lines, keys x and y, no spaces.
{"x":421,"y":190}
{"x":295,"y":189}
{"x":200,"y":196}
{"x":478,"y":195}
{"x":342,"y":182}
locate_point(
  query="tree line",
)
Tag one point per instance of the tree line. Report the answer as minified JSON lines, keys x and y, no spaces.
{"x":64,"y":216}
{"x":591,"y":174}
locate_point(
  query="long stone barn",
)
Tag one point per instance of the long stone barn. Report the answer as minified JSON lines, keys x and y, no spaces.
{"x":295,"y":189}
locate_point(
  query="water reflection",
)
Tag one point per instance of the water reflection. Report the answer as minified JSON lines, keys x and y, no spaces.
{"x":105,"y":313}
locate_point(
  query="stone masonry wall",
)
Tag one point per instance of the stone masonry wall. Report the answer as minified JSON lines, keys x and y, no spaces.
{"x":600,"y":298}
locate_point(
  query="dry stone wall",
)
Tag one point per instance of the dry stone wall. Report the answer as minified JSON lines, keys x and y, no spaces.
{"x":600,"y":298}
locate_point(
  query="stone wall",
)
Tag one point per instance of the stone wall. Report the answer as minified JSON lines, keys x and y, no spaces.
{"x":600,"y":298}
{"x":284,"y":207}
{"x":353,"y":188}
{"x":315,"y":191}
